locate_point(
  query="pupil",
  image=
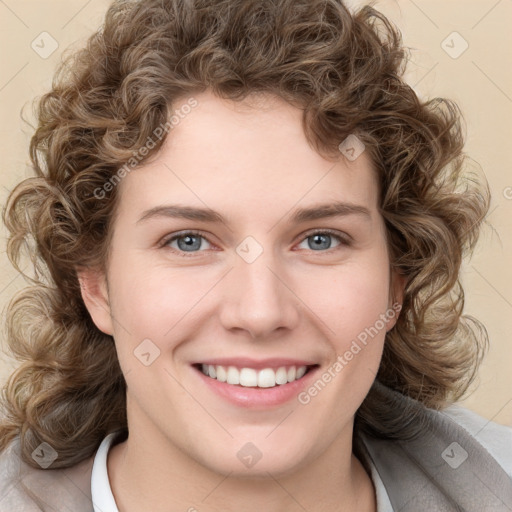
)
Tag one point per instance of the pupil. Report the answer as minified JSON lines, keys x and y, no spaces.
{"x":189,"y":241}
{"x":318,"y":239}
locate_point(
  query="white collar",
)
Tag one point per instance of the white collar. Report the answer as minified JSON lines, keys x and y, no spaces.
{"x":101,"y":492}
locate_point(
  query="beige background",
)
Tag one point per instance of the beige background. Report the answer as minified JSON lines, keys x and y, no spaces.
{"x":479,"y":79}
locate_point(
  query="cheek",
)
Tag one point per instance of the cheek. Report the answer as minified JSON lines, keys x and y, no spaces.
{"x":157,"y":302}
{"x":349,"y":305}
{"x":349,"y":298}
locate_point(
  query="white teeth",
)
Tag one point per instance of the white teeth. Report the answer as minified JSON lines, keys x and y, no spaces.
{"x":281,"y":376}
{"x":266,"y":378}
{"x":221,"y":374}
{"x":249,"y":377}
{"x":233,"y":375}
{"x":300,"y":372}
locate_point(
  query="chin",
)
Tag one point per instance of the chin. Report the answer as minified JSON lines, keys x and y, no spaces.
{"x":250,"y":462}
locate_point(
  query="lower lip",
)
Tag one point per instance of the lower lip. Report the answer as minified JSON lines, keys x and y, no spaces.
{"x":252,"y":397}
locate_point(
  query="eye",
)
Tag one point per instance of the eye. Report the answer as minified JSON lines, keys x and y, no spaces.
{"x":322,"y":239}
{"x":187,"y":242}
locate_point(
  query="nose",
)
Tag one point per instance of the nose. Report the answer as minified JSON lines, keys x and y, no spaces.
{"x":258,"y":298}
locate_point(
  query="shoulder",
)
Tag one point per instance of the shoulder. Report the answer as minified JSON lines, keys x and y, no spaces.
{"x":495,"y":438}
{"x":454,"y":457}
{"x":26,"y":489}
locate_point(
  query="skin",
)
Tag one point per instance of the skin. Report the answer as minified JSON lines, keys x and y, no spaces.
{"x":251,"y":162}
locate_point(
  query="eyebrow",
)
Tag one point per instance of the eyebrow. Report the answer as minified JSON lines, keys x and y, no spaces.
{"x":321,"y":211}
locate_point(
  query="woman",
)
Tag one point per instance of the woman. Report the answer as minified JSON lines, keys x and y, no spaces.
{"x":247,"y":233}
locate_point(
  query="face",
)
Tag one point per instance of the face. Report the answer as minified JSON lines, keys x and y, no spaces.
{"x":263,"y":283}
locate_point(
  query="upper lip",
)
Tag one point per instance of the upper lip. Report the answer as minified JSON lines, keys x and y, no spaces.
{"x":246,"y":362}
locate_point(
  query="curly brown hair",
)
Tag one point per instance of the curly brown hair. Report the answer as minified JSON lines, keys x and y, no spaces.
{"x":345,"y":72}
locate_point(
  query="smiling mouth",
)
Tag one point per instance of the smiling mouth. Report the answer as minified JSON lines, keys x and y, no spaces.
{"x":251,"y":378}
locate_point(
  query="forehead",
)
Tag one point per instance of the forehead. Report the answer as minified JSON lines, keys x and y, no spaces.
{"x":252,"y":155}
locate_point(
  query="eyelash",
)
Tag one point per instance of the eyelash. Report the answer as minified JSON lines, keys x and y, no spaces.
{"x":344,"y":240}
